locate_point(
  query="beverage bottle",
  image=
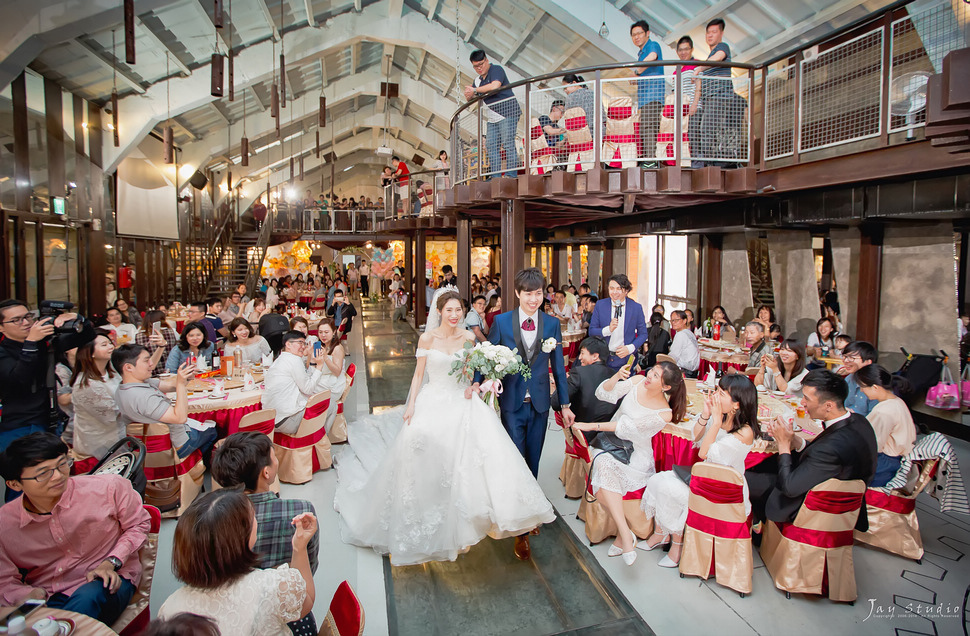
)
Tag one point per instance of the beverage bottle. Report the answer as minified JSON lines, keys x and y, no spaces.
{"x":216,"y":362}
{"x":717,"y":331}
{"x":237,"y":358}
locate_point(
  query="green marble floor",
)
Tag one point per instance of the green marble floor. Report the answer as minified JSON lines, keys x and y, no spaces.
{"x":561,"y":590}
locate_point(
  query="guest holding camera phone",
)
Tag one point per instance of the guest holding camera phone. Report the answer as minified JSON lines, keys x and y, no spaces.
{"x":156,"y":336}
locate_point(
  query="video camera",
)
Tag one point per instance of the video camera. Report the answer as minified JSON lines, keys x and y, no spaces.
{"x":54,"y":308}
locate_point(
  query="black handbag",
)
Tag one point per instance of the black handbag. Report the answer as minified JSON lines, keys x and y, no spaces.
{"x":609,"y":443}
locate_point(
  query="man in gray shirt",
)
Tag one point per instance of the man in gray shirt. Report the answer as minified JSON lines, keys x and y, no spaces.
{"x":141,"y":398}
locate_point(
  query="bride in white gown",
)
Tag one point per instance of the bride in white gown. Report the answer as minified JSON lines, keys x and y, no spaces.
{"x":427,"y":481}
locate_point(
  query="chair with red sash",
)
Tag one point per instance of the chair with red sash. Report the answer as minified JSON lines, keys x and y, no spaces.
{"x":162,"y":465}
{"x":426,"y":199}
{"x":579,"y":141}
{"x":262,"y":421}
{"x":543,"y":157}
{"x":83,"y":464}
{"x":338,"y":430}
{"x":574,"y":464}
{"x":599,"y":523}
{"x":135,"y":618}
{"x":308,"y":450}
{"x":813,"y":554}
{"x":665,"y":136}
{"x":346,"y":615}
{"x":893,"y":525}
{"x":717,"y":537}
{"x":620,"y":140}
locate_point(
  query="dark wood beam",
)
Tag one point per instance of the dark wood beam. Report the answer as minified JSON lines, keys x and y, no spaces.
{"x":870,"y":283}
{"x":608,"y":250}
{"x":711,"y":275}
{"x":513,"y":249}
{"x":21,"y":145}
{"x":54,"y":116}
{"x":20,"y":259}
{"x":463,"y":268}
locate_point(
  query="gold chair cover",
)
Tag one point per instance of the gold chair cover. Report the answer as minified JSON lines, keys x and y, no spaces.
{"x":665,"y":136}
{"x":190,"y":483}
{"x":579,"y":142}
{"x":802,"y":568}
{"x":338,"y":430}
{"x":600,"y":525}
{"x":296,"y":464}
{"x":620,"y":138}
{"x":894,"y":531}
{"x":147,"y":556}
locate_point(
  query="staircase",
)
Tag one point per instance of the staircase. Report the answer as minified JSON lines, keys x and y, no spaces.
{"x":242,"y":260}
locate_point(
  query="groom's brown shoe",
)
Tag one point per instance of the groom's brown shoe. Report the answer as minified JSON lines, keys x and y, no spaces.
{"x":522,"y":550}
{"x":534,"y":532}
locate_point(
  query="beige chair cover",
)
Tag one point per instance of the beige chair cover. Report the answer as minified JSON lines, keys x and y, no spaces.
{"x":307,"y":450}
{"x":621,"y":137}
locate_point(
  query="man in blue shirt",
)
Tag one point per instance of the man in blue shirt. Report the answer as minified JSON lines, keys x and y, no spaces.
{"x":856,"y":355}
{"x":721,"y":109}
{"x":502,"y":112}
{"x":650,"y":91}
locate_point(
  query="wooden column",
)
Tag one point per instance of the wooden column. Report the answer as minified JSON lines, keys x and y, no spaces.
{"x":5,"y":258}
{"x":577,"y":269}
{"x":420,"y":281}
{"x":408,"y":271}
{"x":38,"y":239}
{"x":607,"y":268}
{"x":20,"y":258}
{"x":556,"y":275}
{"x":96,"y":253}
{"x":463,"y":268}
{"x":21,"y":144}
{"x":513,"y":249}
{"x":54,"y":115}
{"x":710,"y":275}
{"x":870,"y":282}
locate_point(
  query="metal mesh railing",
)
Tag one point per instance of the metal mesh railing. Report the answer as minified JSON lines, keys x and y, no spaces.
{"x":779,"y":129}
{"x":502,"y":130}
{"x":547,"y":129}
{"x":465,"y":151}
{"x":721,"y":131}
{"x":841,"y":92}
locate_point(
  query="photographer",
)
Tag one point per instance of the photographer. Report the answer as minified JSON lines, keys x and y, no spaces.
{"x":26,"y":364}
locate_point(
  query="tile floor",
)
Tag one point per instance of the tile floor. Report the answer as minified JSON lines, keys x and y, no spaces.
{"x":478,"y":594}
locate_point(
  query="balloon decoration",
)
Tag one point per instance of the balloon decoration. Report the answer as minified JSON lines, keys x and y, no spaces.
{"x":382,"y":262}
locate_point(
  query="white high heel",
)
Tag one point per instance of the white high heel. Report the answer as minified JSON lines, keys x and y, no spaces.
{"x":630,"y":557}
{"x":616,"y":550}
{"x":667,"y":562}
{"x":646,"y":547}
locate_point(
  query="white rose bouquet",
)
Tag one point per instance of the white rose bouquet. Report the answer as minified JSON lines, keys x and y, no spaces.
{"x":494,"y":362}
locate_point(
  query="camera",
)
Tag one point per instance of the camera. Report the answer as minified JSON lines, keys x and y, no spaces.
{"x":54,"y":308}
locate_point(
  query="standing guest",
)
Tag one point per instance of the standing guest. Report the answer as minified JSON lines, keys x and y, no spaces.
{"x":785,"y":370}
{"x":475,"y":320}
{"x":650,"y":90}
{"x":765,"y":316}
{"x":97,"y":422}
{"x":247,"y":459}
{"x":855,"y":356}
{"x":716,"y":92}
{"x":365,"y":278}
{"x":658,"y":341}
{"x":502,"y":113}
{"x":690,"y":86}
{"x":242,"y":335}
{"x":213,"y":556}
{"x":342,"y":312}
{"x":619,"y":320}
{"x":259,"y":213}
{"x":72,"y":542}
{"x":289,"y":384}
{"x":684,"y":349}
{"x":164,"y":339}
{"x":649,"y":403}
{"x":560,"y":308}
{"x":493,"y":309}
{"x":402,"y":181}
{"x":845,"y":449}
{"x":213,"y":309}
{"x":823,"y":337}
{"x":352,"y":277}
{"x":124,"y":332}
{"x":583,"y":380}
{"x":192,"y":343}
{"x":890,"y":418}
{"x":141,"y":398}
{"x":130,"y":312}
{"x":724,"y":432}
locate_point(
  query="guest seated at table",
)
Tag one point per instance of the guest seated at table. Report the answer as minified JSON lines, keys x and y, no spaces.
{"x":765,"y":316}
{"x":332,"y":376}
{"x":97,"y":422}
{"x":299,"y":323}
{"x":774,"y":333}
{"x":192,"y":343}
{"x":890,"y":418}
{"x":183,"y":624}
{"x":725,"y":432}
{"x":259,"y":308}
{"x":845,"y":450}
{"x":824,"y":336}
{"x":856,"y":355}
{"x":586,"y":304}
{"x":213,"y":556}
{"x":585,"y":289}
{"x":216,"y":327}
{"x":130,"y":312}
{"x":124,"y":332}
{"x":161,"y":341}
{"x":247,"y":460}
{"x":719,"y":316}
{"x":650,"y":403}
{"x":141,"y":398}
{"x":560,"y":308}
{"x":840,"y":341}
{"x":289,"y":384}
{"x":243,"y":336}
{"x":660,"y":309}
{"x":658,"y":341}
{"x":692,"y":322}
{"x":475,"y":319}
{"x":493,"y":309}
{"x":72,"y":542}
{"x":754,"y":340}
{"x":785,"y":370}
{"x":583,"y":380}
{"x":684,"y":349}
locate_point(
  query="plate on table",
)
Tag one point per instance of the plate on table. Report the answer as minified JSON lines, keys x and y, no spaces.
{"x":778,"y":393}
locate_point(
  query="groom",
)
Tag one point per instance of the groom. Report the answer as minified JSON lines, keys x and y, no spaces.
{"x":524,"y":404}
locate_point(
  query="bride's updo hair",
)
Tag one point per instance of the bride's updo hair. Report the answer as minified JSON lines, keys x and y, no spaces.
{"x":445,"y":297}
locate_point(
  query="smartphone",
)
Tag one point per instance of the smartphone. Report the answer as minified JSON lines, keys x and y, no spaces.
{"x":29,"y":606}
{"x":317,"y":348}
{"x":157,"y":327}
{"x":629,"y":362}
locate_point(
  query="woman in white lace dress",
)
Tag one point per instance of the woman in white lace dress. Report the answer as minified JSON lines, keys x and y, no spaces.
{"x":213,"y":555}
{"x":428,"y":481}
{"x":651,"y":402}
{"x":725,"y":431}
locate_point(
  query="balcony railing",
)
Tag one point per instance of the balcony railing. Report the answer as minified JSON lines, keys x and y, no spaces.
{"x":859,"y":88}
{"x":291,"y":218}
{"x":419,"y":197}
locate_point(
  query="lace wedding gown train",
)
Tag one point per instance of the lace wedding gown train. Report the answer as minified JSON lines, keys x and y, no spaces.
{"x":431,"y":490}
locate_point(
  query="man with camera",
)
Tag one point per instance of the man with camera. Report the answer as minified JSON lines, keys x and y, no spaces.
{"x":27,"y":378}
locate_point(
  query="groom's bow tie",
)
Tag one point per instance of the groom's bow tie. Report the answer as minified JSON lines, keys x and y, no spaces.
{"x":528,"y":325}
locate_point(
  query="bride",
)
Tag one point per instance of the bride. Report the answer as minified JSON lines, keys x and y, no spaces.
{"x":428,"y":481}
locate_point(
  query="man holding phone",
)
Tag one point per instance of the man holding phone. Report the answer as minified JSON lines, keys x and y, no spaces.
{"x":342,"y":311}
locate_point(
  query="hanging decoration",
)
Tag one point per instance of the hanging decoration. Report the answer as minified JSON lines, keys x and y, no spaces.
{"x":282,"y":60}
{"x":130,"y":31}
{"x":217,"y":14}
{"x":167,"y":137}
{"x":232,"y":56}
{"x":244,"y":144}
{"x":114,"y":91}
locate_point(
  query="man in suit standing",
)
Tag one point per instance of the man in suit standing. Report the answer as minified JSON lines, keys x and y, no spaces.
{"x":582,"y":384}
{"x":845,"y":450}
{"x":524,"y":404}
{"x":620,"y":321}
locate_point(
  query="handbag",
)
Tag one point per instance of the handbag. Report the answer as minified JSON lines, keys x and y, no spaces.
{"x":946,"y":394}
{"x":965,"y":386}
{"x":611,"y":444}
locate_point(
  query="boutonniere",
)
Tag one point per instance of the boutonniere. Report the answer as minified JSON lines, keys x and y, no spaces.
{"x":549,"y":345}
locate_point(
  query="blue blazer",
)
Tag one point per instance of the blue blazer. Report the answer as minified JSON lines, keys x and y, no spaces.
{"x":634,"y":325}
{"x":507,"y":331}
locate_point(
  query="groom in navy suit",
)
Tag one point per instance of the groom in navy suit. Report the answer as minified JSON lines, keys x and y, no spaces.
{"x":620,"y":321}
{"x":524,"y":404}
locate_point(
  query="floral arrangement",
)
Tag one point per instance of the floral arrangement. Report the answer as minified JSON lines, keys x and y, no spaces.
{"x":494,"y":362}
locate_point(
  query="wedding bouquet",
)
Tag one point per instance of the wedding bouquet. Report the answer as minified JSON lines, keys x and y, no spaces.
{"x":494,"y":362}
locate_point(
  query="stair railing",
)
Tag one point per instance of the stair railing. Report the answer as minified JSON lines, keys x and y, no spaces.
{"x":258,"y":252}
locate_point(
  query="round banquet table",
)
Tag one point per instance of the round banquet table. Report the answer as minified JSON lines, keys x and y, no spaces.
{"x":570,"y":344}
{"x":225,"y":412}
{"x":720,"y":359}
{"x":83,"y":625}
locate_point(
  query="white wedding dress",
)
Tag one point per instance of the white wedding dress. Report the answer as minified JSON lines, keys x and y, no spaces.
{"x":431,"y":490}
